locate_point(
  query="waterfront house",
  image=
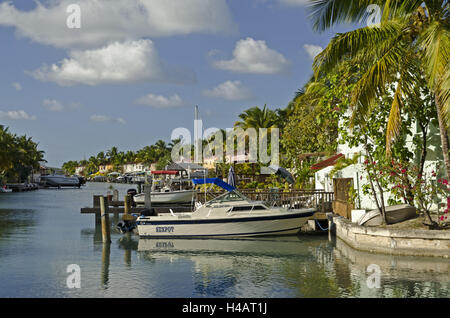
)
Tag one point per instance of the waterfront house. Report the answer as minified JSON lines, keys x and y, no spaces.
{"x":356,"y":173}
{"x":138,"y":167}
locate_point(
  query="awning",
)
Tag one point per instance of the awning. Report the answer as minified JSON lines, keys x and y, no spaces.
{"x":327,"y":162}
{"x":172,"y":172}
{"x":216,"y":181}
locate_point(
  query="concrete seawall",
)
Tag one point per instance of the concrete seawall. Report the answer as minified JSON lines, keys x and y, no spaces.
{"x":393,"y":241}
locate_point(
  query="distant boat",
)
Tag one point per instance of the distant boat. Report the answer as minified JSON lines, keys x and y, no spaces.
{"x":4,"y":190}
{"x":60,"y":181}
{"x":394,"y":214}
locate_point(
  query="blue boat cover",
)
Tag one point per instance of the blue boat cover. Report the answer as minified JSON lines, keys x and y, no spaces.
{"x":217,"y":181}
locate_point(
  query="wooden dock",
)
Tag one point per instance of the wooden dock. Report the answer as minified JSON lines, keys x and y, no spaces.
{"x":21,"y":187}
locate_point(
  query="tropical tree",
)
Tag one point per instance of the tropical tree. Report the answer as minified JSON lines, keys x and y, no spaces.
{"x":256,"y":117}
{"x":410,"y":32}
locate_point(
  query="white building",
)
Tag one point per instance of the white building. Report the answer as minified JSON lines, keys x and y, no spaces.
{"x":359,"y":176}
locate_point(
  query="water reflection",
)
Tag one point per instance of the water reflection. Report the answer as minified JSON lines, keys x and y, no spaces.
{"x":401,"y":276}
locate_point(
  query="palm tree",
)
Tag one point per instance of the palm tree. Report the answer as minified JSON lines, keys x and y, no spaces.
{"x":411,"y":34}
{"x":256,"y":117}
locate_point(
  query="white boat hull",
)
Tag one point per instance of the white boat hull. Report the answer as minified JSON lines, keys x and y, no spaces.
{"x":288,"y":223}
{"x":166,"y":197}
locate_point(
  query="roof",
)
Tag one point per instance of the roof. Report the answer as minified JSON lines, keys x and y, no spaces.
{"x":327,"y":162}
{"x":165,"y":172}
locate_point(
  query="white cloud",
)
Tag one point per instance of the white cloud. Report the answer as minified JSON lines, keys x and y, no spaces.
{"x":160,"y":101}
{"x":230,"y":90}
{"x":16,"y":115}
{"x":17,"y":86}
{"x":105,"y":21}
{"x":116,"y":63}
{"x":52,"y":105}
{"x":104,"y":118}
{"x":252,"y":56}
{"x":294,"y":2}
{"x":57,"y":106}
{"x":312,"y":50}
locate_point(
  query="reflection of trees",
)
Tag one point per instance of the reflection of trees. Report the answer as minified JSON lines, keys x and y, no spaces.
{"x":15,"y":221}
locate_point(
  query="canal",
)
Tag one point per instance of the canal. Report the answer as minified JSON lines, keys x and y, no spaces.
{"x":45,"y":241}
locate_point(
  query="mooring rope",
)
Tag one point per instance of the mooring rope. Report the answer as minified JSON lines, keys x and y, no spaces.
{"x":317,"y":222}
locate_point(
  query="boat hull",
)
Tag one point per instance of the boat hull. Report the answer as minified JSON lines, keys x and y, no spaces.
{"x":284,"y":224}
{"x":166,"y":197}
{"x":58,"y":181}
{"x":394,"y":214}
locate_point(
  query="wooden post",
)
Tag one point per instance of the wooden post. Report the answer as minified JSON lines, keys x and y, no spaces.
{"x":106,"y":229}
{"x":96,"y":204}
{"x":106,"y":252}
{"x":147,"y":194}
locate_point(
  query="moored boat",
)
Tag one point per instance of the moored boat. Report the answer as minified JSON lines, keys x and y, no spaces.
{"x":59,"y":181}
{"x":229,"y":215}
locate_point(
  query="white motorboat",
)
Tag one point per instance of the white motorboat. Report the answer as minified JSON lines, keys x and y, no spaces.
{"x":231,"y":214}
{"x":5,"y":190}
{"x":175,"y":191}
{"x":60,"y":181}
{"x":182,"y":196}
{"x":394,"y":214}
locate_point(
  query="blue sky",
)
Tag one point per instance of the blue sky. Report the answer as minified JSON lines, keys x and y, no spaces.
{"x":135,"y":69}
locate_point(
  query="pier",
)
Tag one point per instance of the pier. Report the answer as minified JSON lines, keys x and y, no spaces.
{"x":21,"y":187}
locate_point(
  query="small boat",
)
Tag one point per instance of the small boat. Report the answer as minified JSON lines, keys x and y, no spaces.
{"x":5,"y":190}
{"x":60,"y":181}
{"x":394,"y":214}
{"x":173,"y":192}
{"x":228,"y":215}
{"x":182,"y":196}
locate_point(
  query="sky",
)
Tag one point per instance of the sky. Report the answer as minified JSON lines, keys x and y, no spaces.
{"x":126,"y":73}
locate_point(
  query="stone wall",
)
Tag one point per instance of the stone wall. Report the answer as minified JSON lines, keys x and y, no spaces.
{"x":393,"y":241}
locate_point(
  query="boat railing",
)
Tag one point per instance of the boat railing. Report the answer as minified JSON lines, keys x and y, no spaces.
{"x":295,"y":199}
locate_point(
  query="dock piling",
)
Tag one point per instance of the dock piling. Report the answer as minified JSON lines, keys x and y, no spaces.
{"x":106,"y":229}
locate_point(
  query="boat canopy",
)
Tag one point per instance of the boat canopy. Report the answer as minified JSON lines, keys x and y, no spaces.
{"x":171,"y":172}
{"x":217,"y":181}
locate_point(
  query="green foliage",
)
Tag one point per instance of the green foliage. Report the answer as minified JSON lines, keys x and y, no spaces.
{"x":19,"y":155}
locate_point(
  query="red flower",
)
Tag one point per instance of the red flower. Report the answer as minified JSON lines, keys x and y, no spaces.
{"x":445,"y":181}
{"x":403,"y":170}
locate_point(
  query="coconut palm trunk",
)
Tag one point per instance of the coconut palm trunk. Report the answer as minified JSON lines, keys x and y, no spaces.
{"x":444,"y":138}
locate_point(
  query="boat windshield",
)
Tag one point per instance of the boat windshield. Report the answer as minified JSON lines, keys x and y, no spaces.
{"x":229,"y":196}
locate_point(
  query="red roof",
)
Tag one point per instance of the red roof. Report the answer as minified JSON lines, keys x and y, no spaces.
{"x":164,"y":172}
{"x":327,"y":162}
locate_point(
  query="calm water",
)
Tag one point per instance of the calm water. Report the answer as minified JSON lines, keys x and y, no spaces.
{"x":42,"y":232}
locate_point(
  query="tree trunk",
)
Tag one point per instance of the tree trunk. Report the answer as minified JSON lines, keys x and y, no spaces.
{"x":444,"y":136}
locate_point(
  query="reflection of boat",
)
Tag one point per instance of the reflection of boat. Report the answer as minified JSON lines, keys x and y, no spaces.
{"x":230,"y":214}
{"x":394,"y":214}
{"x":276,"y":246}
{"x":173,"y":192}
{"x":60,"y":181}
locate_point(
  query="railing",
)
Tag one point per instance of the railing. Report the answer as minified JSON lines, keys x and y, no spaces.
{"x":295,"y":199}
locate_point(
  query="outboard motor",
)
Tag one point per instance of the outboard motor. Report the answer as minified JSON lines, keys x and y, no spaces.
{"x":126,"y":226}
{"x":133,"y":192}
